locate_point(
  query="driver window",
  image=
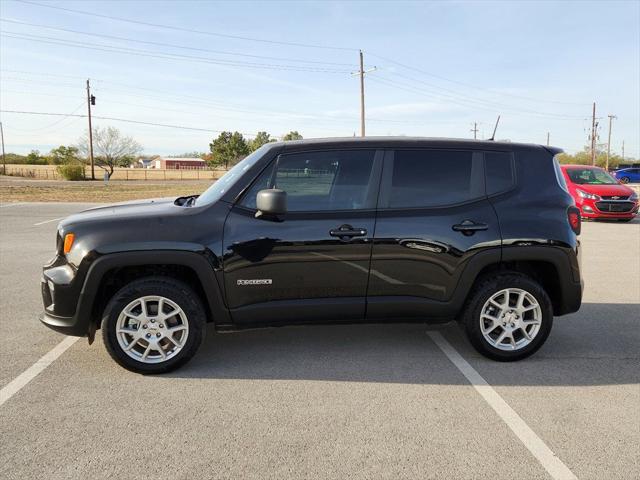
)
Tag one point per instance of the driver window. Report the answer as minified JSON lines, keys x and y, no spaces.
{"x":319,"y":181}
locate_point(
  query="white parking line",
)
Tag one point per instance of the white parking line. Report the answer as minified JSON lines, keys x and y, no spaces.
{"x":32,"y":372}
{"x":5,"y":205}
{"x":539,"y":449}
{"x":47,"y":221}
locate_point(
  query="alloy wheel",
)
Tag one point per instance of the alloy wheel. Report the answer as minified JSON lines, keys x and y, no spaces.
{"x":152,"y":329}
{"x":510,"y":319}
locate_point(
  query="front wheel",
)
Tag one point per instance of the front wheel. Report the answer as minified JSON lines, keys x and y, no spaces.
{"x":508,"y":317}
{"x":624,"y":180}
{"x":153,"y":325}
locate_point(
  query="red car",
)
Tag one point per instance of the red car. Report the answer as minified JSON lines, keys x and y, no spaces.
{"x":598,"y":195}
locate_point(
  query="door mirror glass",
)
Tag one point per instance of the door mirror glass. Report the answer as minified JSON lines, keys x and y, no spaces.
{"x":271,"y":201}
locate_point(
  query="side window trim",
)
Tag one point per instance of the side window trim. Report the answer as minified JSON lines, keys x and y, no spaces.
{"x":562,"y":182}
{"x":387,"y":179}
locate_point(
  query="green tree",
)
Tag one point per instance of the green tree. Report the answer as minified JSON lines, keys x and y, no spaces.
{"x":63,"y":155}
{"x":110,"y":148}
{"x":228,"y":149}
{"x":583,"y":157}
{"x":292,"y":135}
{"x":262,"y":138}
{"x":15,"y":158}
{"x":34,"y":158}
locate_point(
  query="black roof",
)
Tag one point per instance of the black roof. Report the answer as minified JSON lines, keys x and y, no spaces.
{"x":391,"y":142}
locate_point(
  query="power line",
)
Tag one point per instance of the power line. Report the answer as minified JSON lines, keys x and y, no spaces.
{"x":39,"y":81}
{"x":182,"y":127}
{"x":469,"y":85}
{"x":160,"y":44}
{"x":239,"y":37}
{"x":40,"y":73}
{"x":57,"y":122}
{"x":165,"y":56}
{"x":195,"y":100}
{"x":474,"y":104}
{"x":454,"y":94}
{"x":189,"y":30}
{"x":199,"y":101}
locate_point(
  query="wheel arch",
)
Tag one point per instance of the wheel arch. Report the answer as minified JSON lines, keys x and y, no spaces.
{"x":548,"y":265}
{"x":110,"y":272}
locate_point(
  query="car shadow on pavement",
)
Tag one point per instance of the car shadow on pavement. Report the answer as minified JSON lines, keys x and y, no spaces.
{"x":596,"y":346}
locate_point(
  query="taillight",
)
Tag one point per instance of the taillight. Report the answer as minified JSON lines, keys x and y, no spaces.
{"x":573,"y":215}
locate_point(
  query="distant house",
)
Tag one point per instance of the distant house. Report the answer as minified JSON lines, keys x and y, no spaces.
{"x":180,"y":163}
{"x":144,"y":163}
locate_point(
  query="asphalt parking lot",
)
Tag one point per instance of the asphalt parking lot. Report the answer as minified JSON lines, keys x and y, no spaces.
{"x":381,"y":401}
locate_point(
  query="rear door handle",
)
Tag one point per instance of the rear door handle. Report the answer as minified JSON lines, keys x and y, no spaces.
{"x":346,"y":232}
{"x":469,"y":227}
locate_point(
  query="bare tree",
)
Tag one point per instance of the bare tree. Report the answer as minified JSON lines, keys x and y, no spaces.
{"x":111,"y":148}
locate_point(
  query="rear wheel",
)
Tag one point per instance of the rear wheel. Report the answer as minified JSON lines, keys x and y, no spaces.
{"x":508,"y":317}
{"x":624,"y":179}
{"x":153,"y":325}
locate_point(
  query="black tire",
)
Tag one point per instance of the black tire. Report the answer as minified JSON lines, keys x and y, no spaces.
{"x":482,"y":292}
{"x":624,"y":180}
{"x":174,"y":290}
{"x":625,"y":219}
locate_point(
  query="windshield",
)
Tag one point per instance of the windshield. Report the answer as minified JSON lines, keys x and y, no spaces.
{"x":224,"y":183}
{"x":590,"y":176}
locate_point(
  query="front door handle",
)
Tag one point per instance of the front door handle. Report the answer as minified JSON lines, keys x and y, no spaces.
{"x":469,"y":227}
{"x":347,"y":232}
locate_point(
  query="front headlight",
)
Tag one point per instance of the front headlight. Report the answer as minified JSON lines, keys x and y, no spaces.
{"x":590,"y":196}
{"x":634,"y":197}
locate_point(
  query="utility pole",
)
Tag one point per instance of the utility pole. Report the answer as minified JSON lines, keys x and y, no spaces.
{"x":611,"y":117}
{"x":623,"y":150}
{"x":361,"y":72}
{"x":593,"y":135}
{"x":91,"y":100}
{"x":4,"y":160}
{"x":361,"y":95}
{"x":547,"y":139}
{"x":475,"y":130}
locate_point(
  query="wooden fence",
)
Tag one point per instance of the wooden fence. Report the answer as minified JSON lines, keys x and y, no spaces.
{"x":49,"y":172}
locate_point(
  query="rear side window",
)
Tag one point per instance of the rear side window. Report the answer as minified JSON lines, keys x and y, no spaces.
{"x":320,"y":181}
{"x":432,"y":178}
{"x":498,"y":168}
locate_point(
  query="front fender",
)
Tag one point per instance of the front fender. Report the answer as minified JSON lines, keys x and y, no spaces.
{"x":82,"y":322}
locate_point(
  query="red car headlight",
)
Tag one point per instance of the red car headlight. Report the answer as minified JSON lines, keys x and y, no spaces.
{"x":587,"y":195}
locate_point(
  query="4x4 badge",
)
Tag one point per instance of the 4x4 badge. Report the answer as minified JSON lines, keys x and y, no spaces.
{"x":255,"y":281}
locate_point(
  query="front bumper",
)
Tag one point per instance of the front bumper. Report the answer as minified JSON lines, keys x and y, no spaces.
{"x":62,"y":299}
{"x":595,"y":209}
{"x":68,"y":325}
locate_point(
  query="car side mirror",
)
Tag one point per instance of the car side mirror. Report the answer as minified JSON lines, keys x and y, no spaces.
{"x":271,"y":203}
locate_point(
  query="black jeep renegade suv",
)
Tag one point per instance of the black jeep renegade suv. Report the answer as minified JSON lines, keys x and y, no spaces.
{"x":328,"y":231}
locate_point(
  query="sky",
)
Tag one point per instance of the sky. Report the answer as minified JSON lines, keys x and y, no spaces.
{"x":198,"y":68}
